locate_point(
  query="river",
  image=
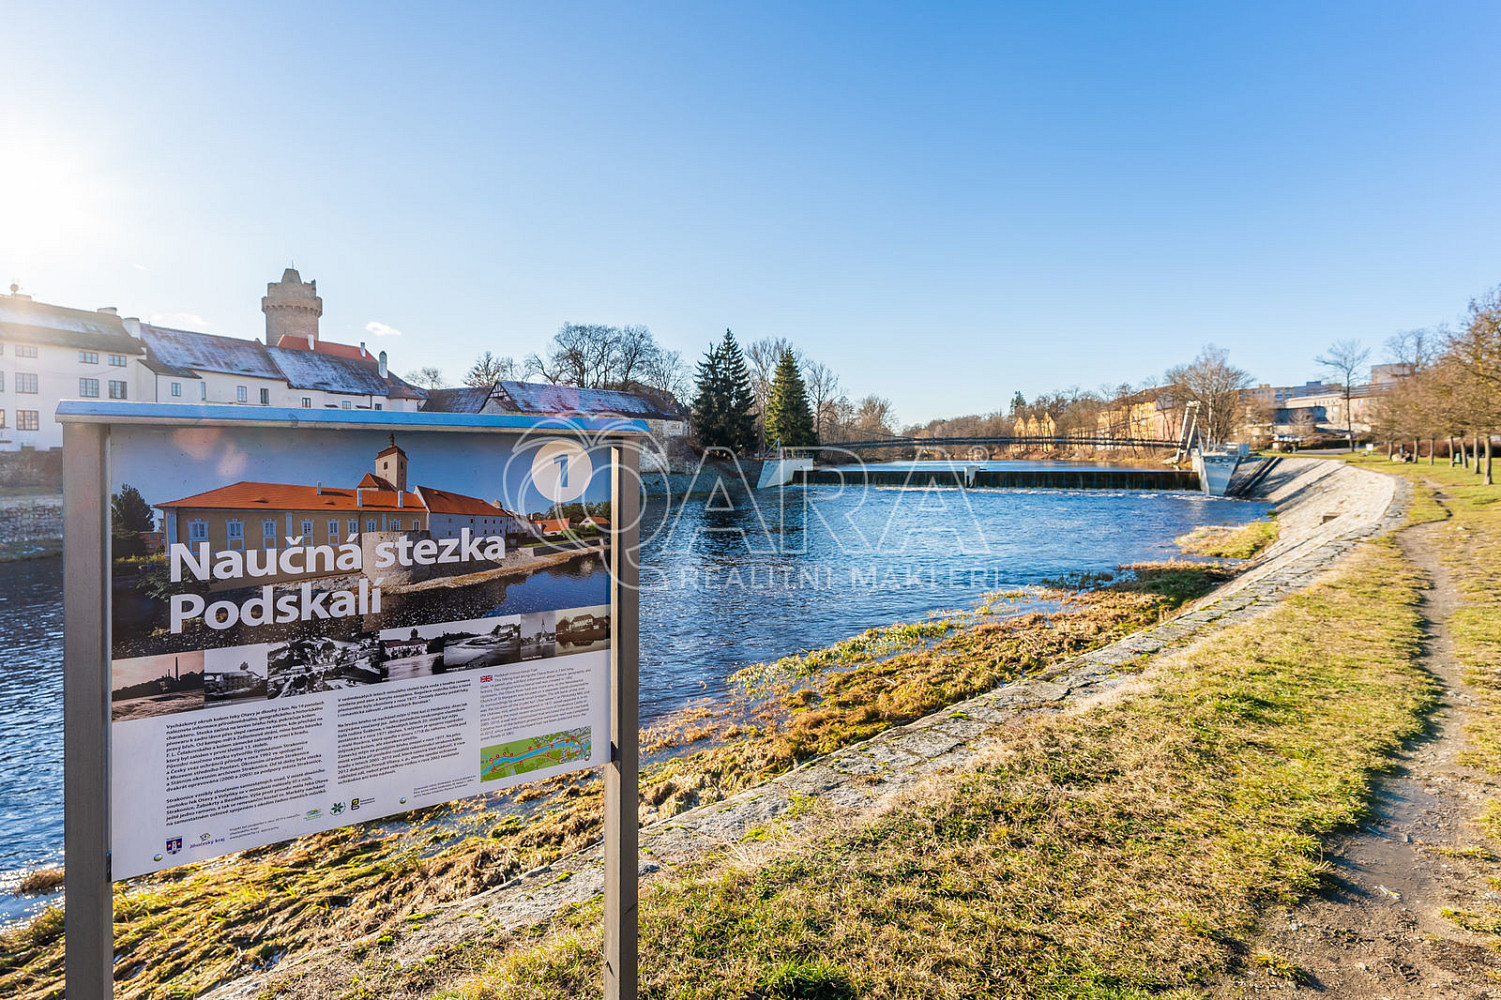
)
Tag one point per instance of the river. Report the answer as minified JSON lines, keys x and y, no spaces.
{"x":727,"y":580}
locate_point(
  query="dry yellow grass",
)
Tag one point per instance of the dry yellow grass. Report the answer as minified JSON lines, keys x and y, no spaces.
{"x":1121,"y":850}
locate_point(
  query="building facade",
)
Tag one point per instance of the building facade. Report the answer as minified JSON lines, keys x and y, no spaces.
{"x":50,"y":353}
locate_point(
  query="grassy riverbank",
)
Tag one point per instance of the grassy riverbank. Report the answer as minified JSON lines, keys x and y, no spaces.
{"x":1471,"y":552}
{"x":1244,"y":541}
{"x":198,"y":925}
{"x":1117,"y":850}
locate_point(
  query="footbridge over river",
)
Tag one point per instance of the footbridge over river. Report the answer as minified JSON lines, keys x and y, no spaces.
{"x":984,"y":447}
{"x":1072,"y":477}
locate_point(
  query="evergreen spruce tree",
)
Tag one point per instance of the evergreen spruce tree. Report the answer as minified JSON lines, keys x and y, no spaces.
{"x":740,"y":405}
{"x":709,"y":406}
{"x":722,"y":412}
{"x":789,"y":418}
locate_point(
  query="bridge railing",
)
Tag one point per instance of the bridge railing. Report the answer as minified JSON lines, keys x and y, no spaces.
{"x":1076,"y":441}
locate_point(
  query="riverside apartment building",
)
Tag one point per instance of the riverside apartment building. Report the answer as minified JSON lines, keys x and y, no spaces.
{"x":49,"y":353}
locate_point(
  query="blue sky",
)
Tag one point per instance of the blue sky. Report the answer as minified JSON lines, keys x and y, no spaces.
{"x":945,"y":204}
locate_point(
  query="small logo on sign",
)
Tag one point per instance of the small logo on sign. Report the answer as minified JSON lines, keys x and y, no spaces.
{"x":336,"y":808}
{"x":354,"y":803}
{"x":312,"y":814}
{"x":204,"y":838}
{"x":174,"y":845}
{"x":485,"y":678}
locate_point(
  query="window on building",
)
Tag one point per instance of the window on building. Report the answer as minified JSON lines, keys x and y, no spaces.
{"x":203,"y":390}
{"x":118,"y":389}
{"x":118,"y":360}
{"x":88,"y":388}
{"x":242,"y":394}
{"x":370,"y":524}
{"x":28,"y":420}
{"x":25,"y":351}
{"x":2,"y":420}
{"x":197,"y":531}
{"x":2,"y":381}
{"x":333,"y":529}
{"x":88,"y":357}
{"x":268,"y":533}
{"x":25,"y":382}
{"x":235,"y":529}
{"x":307,"y":532}
{"x":354,"y":526}
{"x":307,"y":402}
{"x":377,"y":406}
{"x":265,"y":397}
{"x":177,"y":388}
{"x":347,"y":405}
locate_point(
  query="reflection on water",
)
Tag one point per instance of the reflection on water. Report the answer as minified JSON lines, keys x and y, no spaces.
{"x":725,"y":584}
{"x":31,"y":743}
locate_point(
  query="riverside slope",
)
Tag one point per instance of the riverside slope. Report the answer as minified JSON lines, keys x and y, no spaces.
{"x":1325,"y":508}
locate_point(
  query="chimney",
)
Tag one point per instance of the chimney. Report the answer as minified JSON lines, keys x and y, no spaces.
{"x":132,"y":326}
{"x":109,"y":309}
{"x":401,"y":499}
{"x":359,"y":496}
{"x":320,"y":487}
{"x":363,"y":353}
{"x":381,"y":367}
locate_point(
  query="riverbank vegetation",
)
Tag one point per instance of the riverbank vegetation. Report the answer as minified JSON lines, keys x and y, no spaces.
{"x":1120,"y":849}
{"x":1244,"y":541}
{"x":200,"y":924}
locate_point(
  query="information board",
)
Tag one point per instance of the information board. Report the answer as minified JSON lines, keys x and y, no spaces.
{"x":321,"y":627}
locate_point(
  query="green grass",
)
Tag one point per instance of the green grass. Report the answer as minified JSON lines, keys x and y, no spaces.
{"x":1120,"y":851}
{"x":1243,"y":541}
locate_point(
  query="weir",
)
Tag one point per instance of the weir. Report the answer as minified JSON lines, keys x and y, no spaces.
{"x":972,"y":477}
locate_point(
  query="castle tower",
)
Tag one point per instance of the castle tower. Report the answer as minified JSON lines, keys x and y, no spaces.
{"x":391,"y":465}
{"x":292,"y":308}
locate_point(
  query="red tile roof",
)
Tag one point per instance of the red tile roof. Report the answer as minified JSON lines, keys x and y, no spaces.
{"x":291,"y":342}
{"x":555,"y":526}
{"x":282,"y":496}
{"x":444,"y":502}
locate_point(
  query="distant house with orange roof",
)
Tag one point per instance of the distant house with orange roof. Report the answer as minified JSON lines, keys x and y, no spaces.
{"x":263,"y":515}
{"x":552,"y":526}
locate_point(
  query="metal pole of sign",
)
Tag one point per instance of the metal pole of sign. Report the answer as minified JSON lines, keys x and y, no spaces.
{"x":621,"y":834}
{"x":89,"y":919}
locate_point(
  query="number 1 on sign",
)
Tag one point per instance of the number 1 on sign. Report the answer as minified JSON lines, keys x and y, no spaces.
{"x":562,"y":463}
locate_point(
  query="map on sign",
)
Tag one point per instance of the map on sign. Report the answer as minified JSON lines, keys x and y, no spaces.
{"x":506,"y":760}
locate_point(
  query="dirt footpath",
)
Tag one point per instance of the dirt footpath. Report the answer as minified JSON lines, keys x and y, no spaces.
{"x":1379,"y":930}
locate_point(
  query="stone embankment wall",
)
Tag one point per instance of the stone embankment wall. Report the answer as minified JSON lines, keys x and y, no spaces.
{"x":1324,"y":508}
{"x":31,"y":526}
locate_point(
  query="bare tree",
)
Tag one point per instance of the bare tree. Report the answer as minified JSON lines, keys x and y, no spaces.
{"x":762,"y":357}
{"x":489,"y":369}
{"x":1344,"y":358}
{"x":823,"y":388}
{"x":596,"y":356}
{"x":427,"y":377}
{"x":1215,"y":385}
{"x":874,"y":416}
